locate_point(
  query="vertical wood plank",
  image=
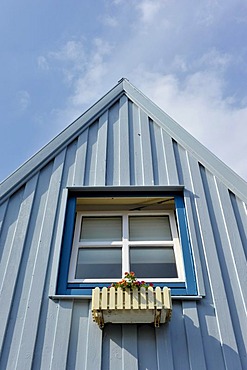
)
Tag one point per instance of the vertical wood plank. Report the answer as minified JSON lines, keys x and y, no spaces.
{"x":120,"y":298}
{"x":3,"y":208}
{"x":135,"y":301}
{"x":90,"y":170}
{"x":158,"y":154}
{"x":112,"y":303}
{"x":113,"y":146}
{"x":136,"y":162}
{"x":105,"y":293}
{"x":234,"y":254}
{"x":240,"y":211}
{"x":221,"y":325}
{"x":143,"y":297}
{"x":127,"y":299}
{"x":178,"y":338}
{"x":158,"y":298}
{"x":77,"y":351}
{"x":166,"y":297}
{"x":44,"y":340}
{"x":208,"y":260}
{"x":147,"y":162}
{"x":96,"y":298}
{"x":171,"y":165}
{"x":94,"y":344}
{"x":46,"y":335}
{"x":22,"y":285}
{"x":112,"y":356}
{"x":233,"y":269}
{"x":129,"y":347}
{"x":80,"y":159}
{"x":147,"y":355}
{"x":150,"y":297}
{"x":124,"y":141}
{"x":194,"y":336}
{"x":164,"y":348}
{"x":69,"y":165}
{"x":61,"y":336}
{"x":100,"y":175}
{"x":191,"y":200}
{"x":39,"y":267}
{"x":11,"y":264}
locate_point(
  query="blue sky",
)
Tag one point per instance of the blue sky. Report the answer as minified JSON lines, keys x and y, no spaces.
{"x":58,"y":57}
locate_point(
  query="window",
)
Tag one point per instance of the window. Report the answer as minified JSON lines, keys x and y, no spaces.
{"x":109,"y":243}
{"x":108,"y":233}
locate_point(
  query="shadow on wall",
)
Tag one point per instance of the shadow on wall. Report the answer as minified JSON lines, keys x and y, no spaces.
{"x":179,"y":345}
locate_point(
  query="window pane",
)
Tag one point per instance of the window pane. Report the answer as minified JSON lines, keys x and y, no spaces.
{"x":149,"y":228}
{"x":98,"y":263}
{"x":101,"y":229}
{"x":153,"y":262}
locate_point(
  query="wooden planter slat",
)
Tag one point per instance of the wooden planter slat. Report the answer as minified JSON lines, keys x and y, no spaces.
{"x":158,"y":298}
{"x":150,"y":298}
{"x":119,"y":299}
{"x":131,"y":306}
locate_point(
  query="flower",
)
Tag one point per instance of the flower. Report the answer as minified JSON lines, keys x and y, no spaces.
{"x":130,"y":281}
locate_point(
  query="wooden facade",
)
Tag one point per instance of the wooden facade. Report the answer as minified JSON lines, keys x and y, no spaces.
{"x":123,"y":140}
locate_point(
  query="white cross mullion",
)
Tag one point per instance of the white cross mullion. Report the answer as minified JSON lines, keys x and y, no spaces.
{"x":125,"y":252}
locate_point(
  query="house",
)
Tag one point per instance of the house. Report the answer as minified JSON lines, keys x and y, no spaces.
{"x":122,"y":170}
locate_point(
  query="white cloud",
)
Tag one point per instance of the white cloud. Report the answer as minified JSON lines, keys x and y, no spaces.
{"x":207,"y":13}
{"x":86,"y":73}
{"x":175,"y":62}
{"x":180,"y":63}
{"x":42,"y":63}
{"x":110,"y":21}
{"x":71,"y":51}
{"x":89,"y":83}
{"x":116,"y":2}
{"x":70,"y":59}
{"x":149,"y":9}
{"x":23,"y":100}
{"x":199,"y":106}
{"x":214,"y":59}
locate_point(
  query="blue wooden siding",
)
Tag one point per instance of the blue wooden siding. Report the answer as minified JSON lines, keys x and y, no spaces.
{"x":123,"y":146}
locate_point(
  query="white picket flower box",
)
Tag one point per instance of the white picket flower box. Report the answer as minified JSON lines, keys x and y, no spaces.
{"x":129,"y":306}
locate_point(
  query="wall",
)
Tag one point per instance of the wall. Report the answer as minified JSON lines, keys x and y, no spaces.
{"x":123,"y":147}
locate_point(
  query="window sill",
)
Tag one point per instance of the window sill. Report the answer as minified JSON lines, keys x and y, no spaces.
{"x":60,"y":297}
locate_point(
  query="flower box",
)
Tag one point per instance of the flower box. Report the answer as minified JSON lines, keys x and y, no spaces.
{"x":132,"y":306}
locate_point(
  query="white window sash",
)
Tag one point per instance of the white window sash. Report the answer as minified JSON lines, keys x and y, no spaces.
{"x":125,"y":244}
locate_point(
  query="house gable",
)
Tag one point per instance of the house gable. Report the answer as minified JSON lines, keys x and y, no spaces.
{"x":123,"y":143}
{"x":125,"y":126}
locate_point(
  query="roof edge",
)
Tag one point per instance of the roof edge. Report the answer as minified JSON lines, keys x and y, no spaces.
{"x":209,"y":160}
{"x":18,"y":178}
{"x":22,"y":174}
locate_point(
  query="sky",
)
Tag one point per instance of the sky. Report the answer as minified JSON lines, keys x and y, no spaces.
{"x":59,"y":57}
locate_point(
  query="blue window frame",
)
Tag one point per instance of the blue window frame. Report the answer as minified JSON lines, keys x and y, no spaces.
{"x":64,"y":287}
